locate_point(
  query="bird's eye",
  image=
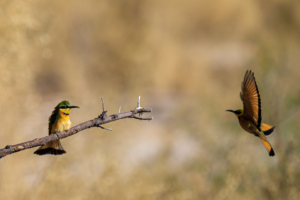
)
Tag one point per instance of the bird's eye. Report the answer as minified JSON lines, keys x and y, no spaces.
{"x":65,"y":106}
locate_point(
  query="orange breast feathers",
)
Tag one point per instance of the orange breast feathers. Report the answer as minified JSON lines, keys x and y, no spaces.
{"x":245,"y":124}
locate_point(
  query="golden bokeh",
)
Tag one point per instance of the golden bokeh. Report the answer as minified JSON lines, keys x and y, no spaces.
{"x":186,"y":59}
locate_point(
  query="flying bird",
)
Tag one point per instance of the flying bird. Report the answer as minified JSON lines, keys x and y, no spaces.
{"x":58,"y":122}
{"x":250,"y":117}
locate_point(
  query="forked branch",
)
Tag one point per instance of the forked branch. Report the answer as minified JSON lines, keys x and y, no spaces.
{"x":97,"y":122}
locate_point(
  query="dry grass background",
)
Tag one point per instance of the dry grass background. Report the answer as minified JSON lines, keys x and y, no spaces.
{"x":186,"y":59}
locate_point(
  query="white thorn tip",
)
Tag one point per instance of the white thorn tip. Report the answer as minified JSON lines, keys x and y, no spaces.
{"x":138,"y":103}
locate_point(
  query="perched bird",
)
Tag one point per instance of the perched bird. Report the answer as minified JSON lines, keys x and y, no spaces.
{"x":58,"y":122}
{"x":250,"y":118}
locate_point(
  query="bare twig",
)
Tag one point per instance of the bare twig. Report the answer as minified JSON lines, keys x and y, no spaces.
{"x":142,"y":118}
{"x":109,"y":129}
{"x":97,"y":122}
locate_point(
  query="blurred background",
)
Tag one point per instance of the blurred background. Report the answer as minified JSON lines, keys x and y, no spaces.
{"x":186,"y":59}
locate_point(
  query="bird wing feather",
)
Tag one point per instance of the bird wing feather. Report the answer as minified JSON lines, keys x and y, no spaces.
{"x":52,"y":118}
{"x":251,"y":99}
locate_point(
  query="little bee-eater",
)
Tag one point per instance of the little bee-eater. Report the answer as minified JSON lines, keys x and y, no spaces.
{"x":58,"y":121}
{"x":250,"y":118}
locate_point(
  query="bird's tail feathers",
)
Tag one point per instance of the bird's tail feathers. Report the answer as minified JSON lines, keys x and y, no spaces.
{"x":267,"y":129}
{"x":266,"y":144}
{"x":51,"y":148}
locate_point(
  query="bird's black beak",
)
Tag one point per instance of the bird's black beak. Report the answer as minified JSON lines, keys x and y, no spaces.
{"x":230,"y":111}
{"x":73,"y":107}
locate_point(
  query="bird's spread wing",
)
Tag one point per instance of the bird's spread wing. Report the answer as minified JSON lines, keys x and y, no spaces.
{"x":251,"y":99}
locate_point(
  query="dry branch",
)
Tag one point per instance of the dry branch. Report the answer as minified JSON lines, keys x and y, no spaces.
{"x":97,"y":122}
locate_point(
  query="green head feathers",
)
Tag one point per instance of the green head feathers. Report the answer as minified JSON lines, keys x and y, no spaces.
{"x":64,"y":105}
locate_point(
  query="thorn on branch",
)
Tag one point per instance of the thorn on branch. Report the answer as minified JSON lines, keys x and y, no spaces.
{"x":102,"y":104}
{"x":103,"y":114}
{"x":109,"y":129}
{"x":139,"y":105}
{"x":119,"y":109}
